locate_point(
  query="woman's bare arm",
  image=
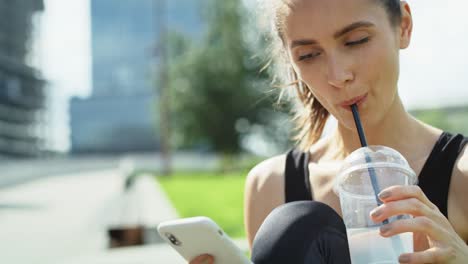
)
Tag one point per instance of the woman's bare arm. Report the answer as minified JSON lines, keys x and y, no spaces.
{"x":264,"y":191}
{"x":458,"y":196}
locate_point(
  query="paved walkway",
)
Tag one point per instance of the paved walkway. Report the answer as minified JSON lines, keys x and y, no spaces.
{"x":59,"y":219}
{"x":63,"y":220}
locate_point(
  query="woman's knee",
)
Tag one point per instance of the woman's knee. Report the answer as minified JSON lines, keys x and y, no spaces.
{"x":290,"y":229}
{"x":311,"y":214}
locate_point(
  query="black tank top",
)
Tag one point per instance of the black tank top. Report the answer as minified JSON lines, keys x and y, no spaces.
{"x":434,"y":178}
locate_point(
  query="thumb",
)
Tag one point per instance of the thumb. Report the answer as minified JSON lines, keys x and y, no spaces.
{"x":203,"y":259}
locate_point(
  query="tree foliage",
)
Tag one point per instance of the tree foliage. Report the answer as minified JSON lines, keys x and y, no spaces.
{"x":217,"y":88}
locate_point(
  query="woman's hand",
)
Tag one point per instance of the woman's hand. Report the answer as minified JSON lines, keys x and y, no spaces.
{"x":445,"y":246}
{"x":203,"y":259}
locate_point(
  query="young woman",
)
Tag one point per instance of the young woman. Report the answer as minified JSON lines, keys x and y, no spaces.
{"x":339,"y":53}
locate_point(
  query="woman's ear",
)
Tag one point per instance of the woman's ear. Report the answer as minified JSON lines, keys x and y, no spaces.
{"x":406,"y":25}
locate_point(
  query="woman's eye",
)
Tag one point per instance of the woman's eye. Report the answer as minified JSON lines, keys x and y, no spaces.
{"x":308,"y":56}
{"x":361,"y":41}
{"x":315,"y":54}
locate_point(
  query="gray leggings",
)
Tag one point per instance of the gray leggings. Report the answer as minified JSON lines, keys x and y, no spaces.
{"x":301,"y":232}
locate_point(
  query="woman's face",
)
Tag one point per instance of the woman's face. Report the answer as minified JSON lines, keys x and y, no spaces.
{"x":346,"y":51}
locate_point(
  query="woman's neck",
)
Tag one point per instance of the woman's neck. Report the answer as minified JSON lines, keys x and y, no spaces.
{"x":397,"y":129}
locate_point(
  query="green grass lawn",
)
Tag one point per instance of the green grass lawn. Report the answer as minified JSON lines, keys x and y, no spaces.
{"x":218,"y":196}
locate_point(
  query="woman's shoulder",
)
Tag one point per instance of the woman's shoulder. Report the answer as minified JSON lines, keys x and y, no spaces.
{"x":268,"y":175}
{"x":460,"y":169}
{"x":463,"y":160}
{"x":458,"y":185}
{"x":461,"y":147}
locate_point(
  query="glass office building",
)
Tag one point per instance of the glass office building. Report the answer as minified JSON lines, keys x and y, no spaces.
{"x":121,"y":115}
{"x":22,"y":90}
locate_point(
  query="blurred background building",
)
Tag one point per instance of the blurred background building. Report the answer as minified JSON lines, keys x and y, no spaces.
{"x":22,"y":90}
{"x":121,"y":114}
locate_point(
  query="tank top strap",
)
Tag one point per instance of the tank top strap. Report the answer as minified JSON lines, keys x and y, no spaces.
{"x":436,"y":173}
{"x":296,"y":176}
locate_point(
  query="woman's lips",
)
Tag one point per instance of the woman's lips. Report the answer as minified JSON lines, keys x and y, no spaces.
{"x":356,"y":100}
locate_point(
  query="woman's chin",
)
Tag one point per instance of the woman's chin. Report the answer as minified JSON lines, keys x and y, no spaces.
{"x":346,"y":120}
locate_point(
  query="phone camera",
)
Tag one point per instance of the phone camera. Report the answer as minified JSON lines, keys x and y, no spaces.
{"x":173,"y":239}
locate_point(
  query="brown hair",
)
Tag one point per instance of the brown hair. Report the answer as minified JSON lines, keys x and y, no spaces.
{"x":310,"y":116}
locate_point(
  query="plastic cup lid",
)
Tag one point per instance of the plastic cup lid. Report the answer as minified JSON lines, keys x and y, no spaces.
{"x":379,"y":157}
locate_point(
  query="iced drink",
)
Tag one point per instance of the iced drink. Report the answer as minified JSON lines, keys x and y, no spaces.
{"x":357,"y":198}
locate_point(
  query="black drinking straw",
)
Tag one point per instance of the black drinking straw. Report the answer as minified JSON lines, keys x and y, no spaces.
{"x":362,"y":138}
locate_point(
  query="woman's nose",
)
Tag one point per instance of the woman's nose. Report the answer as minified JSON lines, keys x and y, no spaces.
{"x":339,"y":73}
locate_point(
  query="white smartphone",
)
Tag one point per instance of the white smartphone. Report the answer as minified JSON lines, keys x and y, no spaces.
{"x":200,"y":235}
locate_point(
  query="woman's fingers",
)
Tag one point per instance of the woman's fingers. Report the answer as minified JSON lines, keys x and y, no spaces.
{"x":428,"y":220}
{"x":420,"y":224}
{"x":203,"y":259}
{"x":431,"y":255}
{"x":410,"y":206}
{"x":400,"y":192}
{"x":407,"y":200}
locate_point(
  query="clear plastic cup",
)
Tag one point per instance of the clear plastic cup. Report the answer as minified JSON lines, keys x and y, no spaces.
{"x":358,"y":197}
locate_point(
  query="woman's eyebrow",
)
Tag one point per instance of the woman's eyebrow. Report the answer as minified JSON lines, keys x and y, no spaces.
{"x":337,"y":34}
{"x":352,"y":27}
